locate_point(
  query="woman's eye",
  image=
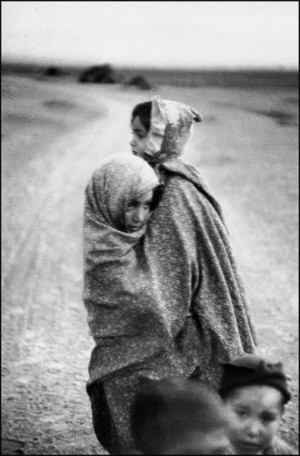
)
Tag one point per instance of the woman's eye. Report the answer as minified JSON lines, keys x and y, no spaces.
{"x":241,"y":413}
{"x":130,"y":205}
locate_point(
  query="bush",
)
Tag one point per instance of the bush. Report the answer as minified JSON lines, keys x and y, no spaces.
{"x":53,"y":71}
{"x":100,"y":73}
{"x":141,"y":82}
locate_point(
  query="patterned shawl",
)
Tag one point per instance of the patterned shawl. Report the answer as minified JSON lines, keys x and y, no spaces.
{"x":192,"y":257}
{"x":189,"y":228}
{"x":125,"y":315}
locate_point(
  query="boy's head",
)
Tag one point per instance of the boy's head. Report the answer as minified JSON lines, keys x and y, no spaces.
{"x":178,"y":416}
{"x":254,"y":392}
{"x":161,"y":129}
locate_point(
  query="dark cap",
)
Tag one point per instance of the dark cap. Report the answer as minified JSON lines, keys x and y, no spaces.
{"x":254,"y":370}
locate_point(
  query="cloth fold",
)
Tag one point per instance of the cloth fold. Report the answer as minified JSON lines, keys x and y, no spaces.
{"x":198,"y":267}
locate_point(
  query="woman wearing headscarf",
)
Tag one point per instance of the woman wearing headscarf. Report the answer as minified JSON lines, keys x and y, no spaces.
{"x":189,"y":246}
{"x":130,"y":324}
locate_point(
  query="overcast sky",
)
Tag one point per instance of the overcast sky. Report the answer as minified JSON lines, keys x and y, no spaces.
{"x":157,"y":34}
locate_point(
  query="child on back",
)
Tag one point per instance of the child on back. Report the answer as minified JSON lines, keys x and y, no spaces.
{"x":178,"y":416}
{"x":255,"y":392}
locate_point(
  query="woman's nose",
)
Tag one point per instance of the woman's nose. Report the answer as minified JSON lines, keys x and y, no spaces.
{"x":139,"y":215}
{"x":133,"y":142}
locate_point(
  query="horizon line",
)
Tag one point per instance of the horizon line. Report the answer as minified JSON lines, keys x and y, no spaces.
{"x":59,"y":63}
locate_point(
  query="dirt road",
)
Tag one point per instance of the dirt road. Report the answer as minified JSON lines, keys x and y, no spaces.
{"x":46,"y":345}
{"x":45,"y":340}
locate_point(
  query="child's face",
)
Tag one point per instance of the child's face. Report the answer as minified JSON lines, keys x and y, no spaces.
{"x":254,"y":415}
{"x":139,"y":137}
{"x":138,"y":211}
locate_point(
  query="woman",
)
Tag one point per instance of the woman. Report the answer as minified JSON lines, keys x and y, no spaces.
{"x":127,"y":319}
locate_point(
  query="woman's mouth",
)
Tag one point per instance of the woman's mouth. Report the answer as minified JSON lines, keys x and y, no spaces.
{"x":134,"y":228}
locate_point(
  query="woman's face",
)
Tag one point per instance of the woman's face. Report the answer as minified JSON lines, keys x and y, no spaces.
{"x":138,"y":211}
{"x":139,"y":137}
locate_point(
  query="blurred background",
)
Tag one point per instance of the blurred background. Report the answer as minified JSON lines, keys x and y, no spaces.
{"x":153,"y":35}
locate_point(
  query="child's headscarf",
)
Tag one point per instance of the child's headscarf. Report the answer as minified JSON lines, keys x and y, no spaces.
{"x":119,"y":179}
{"x":170,"y":129}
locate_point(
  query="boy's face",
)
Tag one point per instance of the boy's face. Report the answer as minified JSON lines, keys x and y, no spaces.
{"x":139,"y":137}
{"x":254,"y":415}
{"x":214,"y":442}
{"x":138,"y":211}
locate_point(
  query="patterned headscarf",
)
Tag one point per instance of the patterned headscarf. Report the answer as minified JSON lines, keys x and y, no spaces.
{"x":170,"y":129}
{"x":120,"y":177}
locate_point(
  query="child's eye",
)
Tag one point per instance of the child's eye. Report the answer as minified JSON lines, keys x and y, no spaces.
{"x":130,"y":205}
{"x":138,"y":134}
{"x":268,"y":418}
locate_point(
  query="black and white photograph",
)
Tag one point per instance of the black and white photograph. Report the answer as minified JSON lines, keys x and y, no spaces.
{"x":150,"y":225}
